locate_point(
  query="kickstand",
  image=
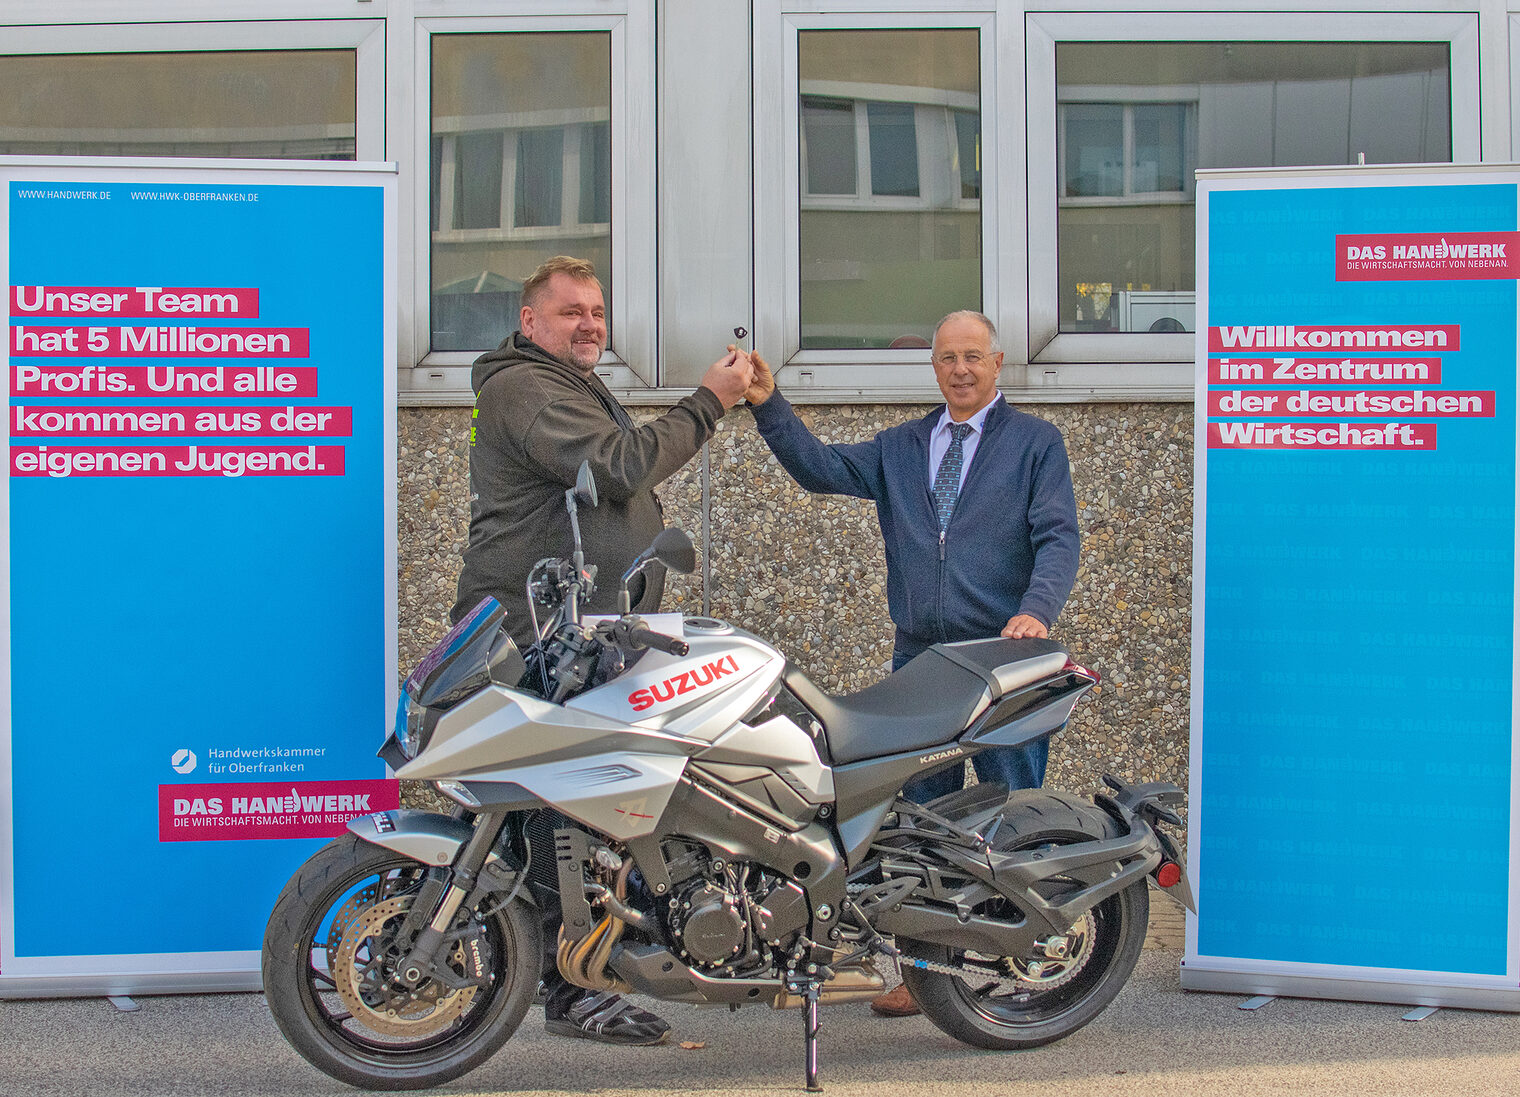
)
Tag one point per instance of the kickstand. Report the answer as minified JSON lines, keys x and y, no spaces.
{"x":810,"y":1034}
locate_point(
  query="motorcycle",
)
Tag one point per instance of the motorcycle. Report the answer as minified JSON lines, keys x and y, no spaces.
{"x":706,"y":825}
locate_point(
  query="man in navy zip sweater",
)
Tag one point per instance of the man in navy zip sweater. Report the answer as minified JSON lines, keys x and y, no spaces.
{"x":1006,"y":558}
{"x":977,"y":515}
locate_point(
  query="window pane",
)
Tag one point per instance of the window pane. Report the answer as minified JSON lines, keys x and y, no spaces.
{"x":828,"y":145}
{"x":477,"y":181}
{"x":1125,"y":223}
{"x":885,"y":262}
{"x":1094,"y":149}
{"x":894,"y":149}
{"x":280,"y":104}
{"x":596,"y":174}
{"x":540,"y":177}
{"x":435,"y":177}
{"x":968,"y":151}
{"x":1160,"y":158}
{"x":541,"y":104}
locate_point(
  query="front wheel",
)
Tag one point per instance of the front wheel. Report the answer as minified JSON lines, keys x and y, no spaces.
{"x":1064,"y":983}
{"x":329,"y":974}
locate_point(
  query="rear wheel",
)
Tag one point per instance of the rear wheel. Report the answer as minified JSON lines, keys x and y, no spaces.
{"x":330,"y":954}
{"x":1058,"y":987}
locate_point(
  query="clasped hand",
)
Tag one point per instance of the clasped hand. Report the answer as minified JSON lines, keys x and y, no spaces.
{"x":730,"y":377}
{"x":740,"y":375}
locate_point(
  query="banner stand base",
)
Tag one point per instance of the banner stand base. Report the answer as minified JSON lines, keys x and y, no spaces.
{"x":1223,"y":981}
{"x":97,"y":985}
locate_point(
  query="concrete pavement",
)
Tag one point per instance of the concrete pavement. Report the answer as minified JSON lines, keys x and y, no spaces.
{"x":1156,"y":1039}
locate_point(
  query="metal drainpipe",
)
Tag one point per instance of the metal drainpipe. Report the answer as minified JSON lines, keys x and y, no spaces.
{"x":706,"y":527}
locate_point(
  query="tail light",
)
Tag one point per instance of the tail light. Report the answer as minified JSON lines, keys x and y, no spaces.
{"x":1077,"y":668}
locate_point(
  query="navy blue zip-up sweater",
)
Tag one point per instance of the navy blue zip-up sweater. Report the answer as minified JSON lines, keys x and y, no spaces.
{"x":1011,"y":543}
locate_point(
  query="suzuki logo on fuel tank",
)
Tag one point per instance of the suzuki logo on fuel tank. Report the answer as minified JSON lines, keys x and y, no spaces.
{"x":685,"y":682}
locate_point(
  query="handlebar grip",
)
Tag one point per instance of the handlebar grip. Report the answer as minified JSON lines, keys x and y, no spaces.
{"x":648,"y":638}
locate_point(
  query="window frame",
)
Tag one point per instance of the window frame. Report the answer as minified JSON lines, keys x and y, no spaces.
{"x":1508,"y":61}
{"x":365,"y":37}
{"x":632,"y":277}
{"x":838,"y":375}
{"x":1074,"y":365}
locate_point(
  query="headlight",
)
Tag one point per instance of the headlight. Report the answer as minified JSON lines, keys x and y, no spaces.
{"x":409,"y":725}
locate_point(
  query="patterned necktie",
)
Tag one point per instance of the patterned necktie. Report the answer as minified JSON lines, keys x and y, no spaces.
{"x":947,"y":481}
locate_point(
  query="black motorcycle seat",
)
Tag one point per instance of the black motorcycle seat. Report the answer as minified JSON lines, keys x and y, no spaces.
{"x":930,"y":701}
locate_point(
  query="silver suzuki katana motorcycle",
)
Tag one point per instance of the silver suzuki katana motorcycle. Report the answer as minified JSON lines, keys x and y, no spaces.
{"x":723,"y":832}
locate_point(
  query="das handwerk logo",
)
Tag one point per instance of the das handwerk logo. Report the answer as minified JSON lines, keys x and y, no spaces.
{"x":305,"y":809}
{"x":1408,"y":256}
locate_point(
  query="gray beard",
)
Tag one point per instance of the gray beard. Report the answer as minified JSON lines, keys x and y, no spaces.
{"x":584,"y":371}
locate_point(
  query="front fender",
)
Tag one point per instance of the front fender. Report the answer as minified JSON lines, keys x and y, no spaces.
{"x":425,"y":836}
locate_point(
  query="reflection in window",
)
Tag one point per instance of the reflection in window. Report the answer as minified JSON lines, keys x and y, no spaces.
{"x":890,"y":220}
{"x":1114,"y":150}
{"x":540,"y":177}
{"x":522,"y":170}
{"x":272,"y":104}
{"x":477,"y":181}
{"x":828,"y":133}
{"x":968,"y":151}
{"x":1159,"y":140}
{"x":596,"y":174}
{"x":1134,"y":121}
{"x":1094,"y":149}
{"x":894,"y":149}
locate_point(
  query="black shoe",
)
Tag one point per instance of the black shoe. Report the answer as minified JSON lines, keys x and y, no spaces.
{"x":609,"y":1018}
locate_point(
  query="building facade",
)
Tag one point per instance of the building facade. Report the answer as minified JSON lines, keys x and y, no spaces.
{"x":832,"y":177}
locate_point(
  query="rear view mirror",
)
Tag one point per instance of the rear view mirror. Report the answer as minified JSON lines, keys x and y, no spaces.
{"x":585,"y":485}
{"x":674,"y":549}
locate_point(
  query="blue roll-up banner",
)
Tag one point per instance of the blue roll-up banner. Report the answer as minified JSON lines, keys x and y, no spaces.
{"x":1353,"y":789}
{"x":199,"y":602}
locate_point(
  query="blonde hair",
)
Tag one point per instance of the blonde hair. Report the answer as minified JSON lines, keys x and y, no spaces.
{"x":579,"y":269}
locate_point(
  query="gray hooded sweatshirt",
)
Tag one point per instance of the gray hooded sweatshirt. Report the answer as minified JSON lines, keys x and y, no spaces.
{"x":535,"y":420}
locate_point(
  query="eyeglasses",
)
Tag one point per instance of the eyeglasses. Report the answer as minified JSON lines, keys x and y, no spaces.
{"x":949,"y":358}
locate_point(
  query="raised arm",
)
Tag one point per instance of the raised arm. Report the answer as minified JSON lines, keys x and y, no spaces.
{"x":853,"y":469}
{"x":569,"y":427}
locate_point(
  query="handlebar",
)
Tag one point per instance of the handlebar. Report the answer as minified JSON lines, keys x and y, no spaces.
{"x":639,"y":636}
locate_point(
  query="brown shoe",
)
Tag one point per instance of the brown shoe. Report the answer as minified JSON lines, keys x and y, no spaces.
{"x":897,"y":1002}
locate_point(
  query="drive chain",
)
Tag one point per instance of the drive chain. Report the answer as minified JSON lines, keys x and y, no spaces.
{"x":968,"y":972}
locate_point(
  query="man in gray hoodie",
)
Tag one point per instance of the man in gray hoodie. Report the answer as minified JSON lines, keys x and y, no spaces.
{"x":540,"y":410}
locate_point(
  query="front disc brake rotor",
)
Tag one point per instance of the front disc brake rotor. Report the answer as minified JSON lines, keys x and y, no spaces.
{"x":359,"y":901}
{"x":1057,"y":959}
{"x":363,"y":968}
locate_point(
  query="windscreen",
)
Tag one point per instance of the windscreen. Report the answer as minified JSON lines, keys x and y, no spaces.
{"x":459,"y":660}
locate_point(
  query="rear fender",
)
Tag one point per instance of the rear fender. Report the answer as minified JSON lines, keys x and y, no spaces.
{"x":1085,"y":873}
{"x":1100,"y":868}
{"x":1182,"y":890}
{"x":1150,"y":804}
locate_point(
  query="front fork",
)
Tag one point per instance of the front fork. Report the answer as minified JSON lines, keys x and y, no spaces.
{"x":442,"y":894}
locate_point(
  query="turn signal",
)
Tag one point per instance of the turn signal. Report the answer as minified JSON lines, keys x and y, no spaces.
{"x":1168,"y":873}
